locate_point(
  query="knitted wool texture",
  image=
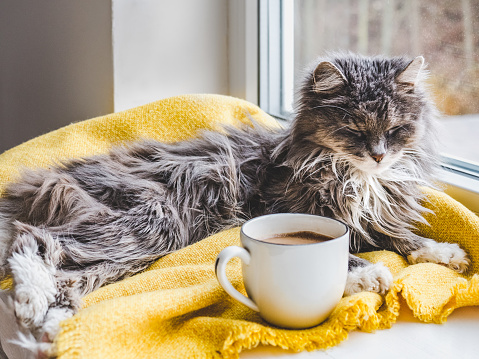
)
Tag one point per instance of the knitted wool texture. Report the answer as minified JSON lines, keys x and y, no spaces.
{"x":176,"y":308}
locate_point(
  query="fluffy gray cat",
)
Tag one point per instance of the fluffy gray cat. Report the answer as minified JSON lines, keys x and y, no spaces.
{"x":358,"y":149}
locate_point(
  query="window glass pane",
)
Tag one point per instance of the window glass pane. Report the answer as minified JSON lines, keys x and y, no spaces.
{"x":445,"y":32}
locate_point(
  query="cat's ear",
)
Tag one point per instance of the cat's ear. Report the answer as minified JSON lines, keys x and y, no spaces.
{"x":411,"y":74}
{"x":327,"y":78}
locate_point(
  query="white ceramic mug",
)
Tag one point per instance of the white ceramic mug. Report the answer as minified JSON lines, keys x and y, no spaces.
{"x":291,"y":286}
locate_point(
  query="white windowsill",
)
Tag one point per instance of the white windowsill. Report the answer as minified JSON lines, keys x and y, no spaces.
{"x":407,"y":338}
{"x":462,"y":188}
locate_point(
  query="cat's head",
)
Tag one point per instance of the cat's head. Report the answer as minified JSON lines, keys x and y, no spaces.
{"x":369,"y":111}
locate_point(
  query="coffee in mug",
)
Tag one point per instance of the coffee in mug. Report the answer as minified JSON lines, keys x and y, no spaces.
{"x":294,"y":267}
{"x":297,"y":238}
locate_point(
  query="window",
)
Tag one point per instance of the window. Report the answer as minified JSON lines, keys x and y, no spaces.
{"x":294,"y":32}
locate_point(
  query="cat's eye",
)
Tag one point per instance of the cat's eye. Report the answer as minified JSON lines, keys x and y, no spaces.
{"x":354,"y":132}
{"x":393,"y":130}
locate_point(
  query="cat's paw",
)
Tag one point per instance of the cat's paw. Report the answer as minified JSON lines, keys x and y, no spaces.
{"x":35,"y":288}
{"x":30,"y":307}
{"x":371,"y":278}
{"x":447,"y":254}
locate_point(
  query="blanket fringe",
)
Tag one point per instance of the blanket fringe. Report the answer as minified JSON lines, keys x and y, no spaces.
{"x":365,"y":315}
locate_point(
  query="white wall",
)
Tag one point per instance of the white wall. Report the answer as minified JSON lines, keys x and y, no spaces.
{"x":167,"y":48}
{"x":63,"y":61}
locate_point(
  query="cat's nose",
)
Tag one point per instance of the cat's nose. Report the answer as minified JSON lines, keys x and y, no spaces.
{"x":378,"y":157}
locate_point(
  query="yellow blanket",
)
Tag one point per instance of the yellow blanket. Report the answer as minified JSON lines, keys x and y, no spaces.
{"x":176,"y":309}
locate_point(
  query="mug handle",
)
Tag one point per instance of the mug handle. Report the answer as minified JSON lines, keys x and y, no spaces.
{"x":220,"y":270}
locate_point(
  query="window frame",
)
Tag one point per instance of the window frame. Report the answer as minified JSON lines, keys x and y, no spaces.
{"x":459,"y":179}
